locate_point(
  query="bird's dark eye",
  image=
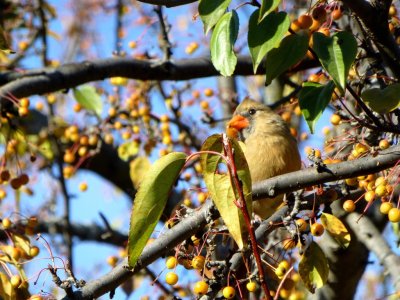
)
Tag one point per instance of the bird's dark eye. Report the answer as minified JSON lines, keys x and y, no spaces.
{"x":252,"y":111}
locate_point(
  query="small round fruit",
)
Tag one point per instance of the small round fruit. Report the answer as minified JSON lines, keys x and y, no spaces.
{"x":337,"y":14}
{"x":384,"y":144}
{"x":305,"y":21}
{"x":83,"y":186}
{"x":317,"y":229}
{"x":204,"y":105}
{"x":15,"y":183}
{"x":24,"y":179}
{"x":171,"y":262}
{"x":301,"y":225}
{"x":112,"y":261}
{"x":280,"y":272}
{"x":15,"y":281}
{"x":385,"y":207}
{"x":5,"y":175}
{"x":284,"y":265}
{"x":251,"y":286}
{"x":394,"y":215}
{"x":34,"y":251}
{"x":198,"y":262}
{"x":369,"y":196}
{"x":228,"y":292}
{"x":349,"y":206}
{"x":6,"y":222}
{"x":335,"y":119}
{"x":208,"y":92}
{"x":171,"y":278}
{"x":200,"y":288}
{"x":380,"y":190}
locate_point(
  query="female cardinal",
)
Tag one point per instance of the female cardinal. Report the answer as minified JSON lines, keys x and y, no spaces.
{"x":270,"y":149}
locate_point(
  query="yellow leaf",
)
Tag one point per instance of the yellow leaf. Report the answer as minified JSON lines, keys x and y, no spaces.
{"x":22,"y":241}
{"x":313,"y":267}
{"x":6,"y":290}
{"x":336,"y":229}
{"x":220,"y":187}
{"x":138,"y":168}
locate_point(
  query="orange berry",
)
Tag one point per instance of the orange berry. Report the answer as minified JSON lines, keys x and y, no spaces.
{"x":208,"y":92}
{"x":337,"y":14}
{"x":34,"y":251}
{"x":349,"y":206}
{"x":295,"y":26}
{"x":83,"y":186}
{"x":305,"y":21}
{"x":384,"y":144}
{"x":317,"y":229}
{"x":112,"y":261}
{"x":204,"y":105}
{"x":315,"y":25}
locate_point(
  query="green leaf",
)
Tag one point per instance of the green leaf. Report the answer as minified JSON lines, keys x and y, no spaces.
{"x":383,"y":101}
{"x":150,"y":201}
{"x":290,"y":51}
{"x":313,"y":99}
{"x":266,"y":35}
{"x":314,"y":268}
{"x":220,"y":187}
{"x":222,"y":41}
{"x":128,"y":150}
{"x":336,"y":229}
{"x":87,"y":96}
{"x":211,"y":11}
{"x":336,"y":54}
{"x":266,"y":7}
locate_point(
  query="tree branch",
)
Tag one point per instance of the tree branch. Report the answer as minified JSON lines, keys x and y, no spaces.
{"x":48,"y":80}
{"x":168,"y":3}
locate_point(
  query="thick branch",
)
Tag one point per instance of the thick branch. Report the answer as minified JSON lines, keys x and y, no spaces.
{"x":168,"y":3}
{"x":372,"y":238}
{"x":48,"y":80}
{"x":313,"y":176}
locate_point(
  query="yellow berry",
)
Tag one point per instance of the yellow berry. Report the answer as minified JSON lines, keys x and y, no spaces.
{"x":171,"y":278}
{"x":351,"y":181}
{"x":171,"y":262}
{"x":112,"y":261}
{"x":6,"y":222}
{"x":280,"y":272}
{"x":83,"y":186}
{"x":394,"y":215}
{"x":34,"y":251}
{"x":15,"y":281}
{"x":369,"y":196}
{"x":380,"y":190}
{"x":385,"y":207}
{"x":251,"y":286}
{"x":301,"y":224}
{"x":229,"y":292}
{"x":198,"y":262}
{"x":200,"y":288}
{"x":335,"y":119}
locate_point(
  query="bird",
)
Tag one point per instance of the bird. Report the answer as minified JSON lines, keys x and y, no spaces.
{"x":269,"y":147}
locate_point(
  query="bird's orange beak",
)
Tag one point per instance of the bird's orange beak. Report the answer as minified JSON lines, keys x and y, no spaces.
{"x":236,"y":124}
